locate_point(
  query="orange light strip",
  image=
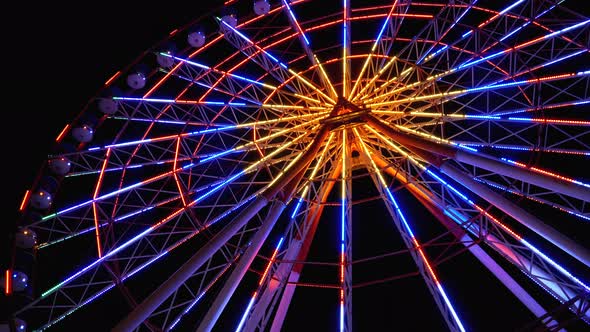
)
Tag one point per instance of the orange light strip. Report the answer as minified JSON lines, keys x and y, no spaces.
{"x":497,"y":222}
{"x":330,"y":61}
{"x":8,"y":283}
{"x":62,"y":133}
{"x":342,"y":268}
{"x":272,"y":259}
{"x":112,"y":78}
{"x":94,"y":203}
{"x":425,"y":260}
{"x":373,"y":79}
{"x":386,"y":83}
{"x":345,"y":47}
{"x":363,"y":17}
{"x":491,"y":19}
{"x":176,"y":173}
{"x":420,"y":98}
{"x":162,"y":80}
{"x":25,"y":200}
{"x":545,"y":172}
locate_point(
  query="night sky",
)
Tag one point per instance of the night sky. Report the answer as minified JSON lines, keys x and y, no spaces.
{"x":57,"y":56}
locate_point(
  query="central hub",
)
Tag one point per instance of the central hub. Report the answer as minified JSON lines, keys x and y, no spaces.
{"x":344,"y":113}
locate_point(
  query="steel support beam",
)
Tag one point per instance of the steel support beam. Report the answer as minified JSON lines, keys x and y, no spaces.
{"x":414,"y":247}
{"x":283,"y":271}
{"x":294,"y":270}
{"x":483,"y":161}
{"x":154,"y":300}
{"x":507,"y":206}
{"x":523,"y":174}
{"x":241,"y":268}
{"x":475,"y":249}
{"x":533,"y":223}
{"x":525,"y":298}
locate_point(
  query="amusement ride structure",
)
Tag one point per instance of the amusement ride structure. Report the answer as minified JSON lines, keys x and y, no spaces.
{"x":275,"y":148}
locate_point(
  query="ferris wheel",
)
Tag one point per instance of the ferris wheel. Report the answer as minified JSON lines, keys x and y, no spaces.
{"x":268,"y":161}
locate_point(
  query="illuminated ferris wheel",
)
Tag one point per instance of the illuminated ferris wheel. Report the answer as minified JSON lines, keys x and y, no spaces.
{"x":232,"y":167}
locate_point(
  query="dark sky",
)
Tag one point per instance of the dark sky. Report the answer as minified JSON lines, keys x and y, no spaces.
{"x":57,"y":56}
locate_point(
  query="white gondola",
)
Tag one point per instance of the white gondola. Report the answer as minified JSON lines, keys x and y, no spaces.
{"x":136,"y":80}
{"x":25,"y":238}
{"x":196,"y":39}
{"x":41,"y":200}
{"x":60,"y":166}
{"x":165,"y":61}
{"x":228,"y":21}
{"x":107,"y":106}
{"x":19,"y":281}
{"x":83,"y":134}
{"x":261,"y":7}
